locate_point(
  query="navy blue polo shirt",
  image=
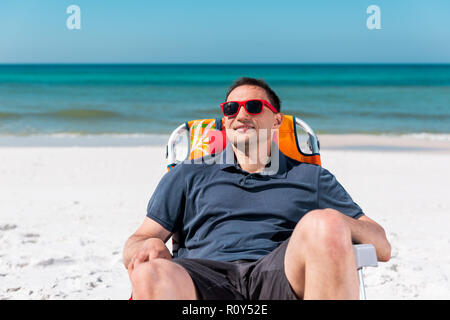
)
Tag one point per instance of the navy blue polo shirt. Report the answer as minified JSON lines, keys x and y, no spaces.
{"x":224,"y":213}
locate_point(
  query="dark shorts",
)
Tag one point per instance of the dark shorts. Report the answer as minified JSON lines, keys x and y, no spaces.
{"x":263,"y":279}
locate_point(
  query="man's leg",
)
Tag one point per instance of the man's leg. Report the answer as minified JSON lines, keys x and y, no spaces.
{"x":161,"y":279}
{"x":319,"y":261}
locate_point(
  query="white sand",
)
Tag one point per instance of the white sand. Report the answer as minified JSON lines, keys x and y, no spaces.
{"x":65,"y":213}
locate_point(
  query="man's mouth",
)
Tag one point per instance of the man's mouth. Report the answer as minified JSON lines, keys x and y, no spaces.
{"x":243,"y":128}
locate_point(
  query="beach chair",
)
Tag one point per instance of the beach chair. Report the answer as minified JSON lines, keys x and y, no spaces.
{"x":198,"y":138}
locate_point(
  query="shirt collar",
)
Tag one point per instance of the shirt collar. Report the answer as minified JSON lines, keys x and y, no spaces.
{"x":276,"y":168}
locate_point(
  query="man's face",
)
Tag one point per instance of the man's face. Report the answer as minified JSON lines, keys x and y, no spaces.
{"x":245,"y":127}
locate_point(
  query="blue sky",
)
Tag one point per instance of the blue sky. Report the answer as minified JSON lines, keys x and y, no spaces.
{"x":198,"y":31}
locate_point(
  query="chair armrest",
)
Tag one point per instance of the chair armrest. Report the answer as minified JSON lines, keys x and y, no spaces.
{"x":365,"y":255}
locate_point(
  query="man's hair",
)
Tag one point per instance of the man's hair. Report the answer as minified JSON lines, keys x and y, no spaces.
{"x":274,"y":100}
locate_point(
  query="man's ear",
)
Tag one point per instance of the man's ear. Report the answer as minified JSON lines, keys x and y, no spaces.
{"x":278,"y":120}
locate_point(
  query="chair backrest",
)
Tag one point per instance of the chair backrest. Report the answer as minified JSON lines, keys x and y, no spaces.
{"x":198,"y":138}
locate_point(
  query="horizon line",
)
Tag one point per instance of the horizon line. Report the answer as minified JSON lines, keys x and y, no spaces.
{"x":223,"y":63}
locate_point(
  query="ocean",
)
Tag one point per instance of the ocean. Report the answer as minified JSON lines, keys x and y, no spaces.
{"x":154,"y":99}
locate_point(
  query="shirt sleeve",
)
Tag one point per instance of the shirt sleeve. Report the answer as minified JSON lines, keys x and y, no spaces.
{"x":166,"y":206}
{"x":332,"y":194}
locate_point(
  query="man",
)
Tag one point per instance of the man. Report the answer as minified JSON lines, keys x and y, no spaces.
{"x":249,"y":232}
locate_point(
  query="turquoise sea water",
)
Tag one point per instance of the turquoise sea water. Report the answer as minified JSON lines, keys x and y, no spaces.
{"x":154,"y":99}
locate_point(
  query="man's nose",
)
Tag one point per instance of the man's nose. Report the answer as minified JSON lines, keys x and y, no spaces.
{"x":242,"y":114}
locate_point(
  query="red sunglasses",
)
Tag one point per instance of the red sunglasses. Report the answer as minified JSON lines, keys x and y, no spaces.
{"x":253,"y":107}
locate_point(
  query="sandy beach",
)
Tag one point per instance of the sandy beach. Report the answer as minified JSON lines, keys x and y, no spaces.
{"x":66,"y":212}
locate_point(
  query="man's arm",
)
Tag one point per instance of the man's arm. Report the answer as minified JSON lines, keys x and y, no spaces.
{"x":147,"y":242}
{"x":164,"y":210}
{"x":365,"y":230}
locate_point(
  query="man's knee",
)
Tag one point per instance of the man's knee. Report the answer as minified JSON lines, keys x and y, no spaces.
{"x":151,"y":272}
{"x":323,"y":230}
{"x":162,"y":279}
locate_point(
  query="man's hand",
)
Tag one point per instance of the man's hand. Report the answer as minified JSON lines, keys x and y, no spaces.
{"x":151,"y":249}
